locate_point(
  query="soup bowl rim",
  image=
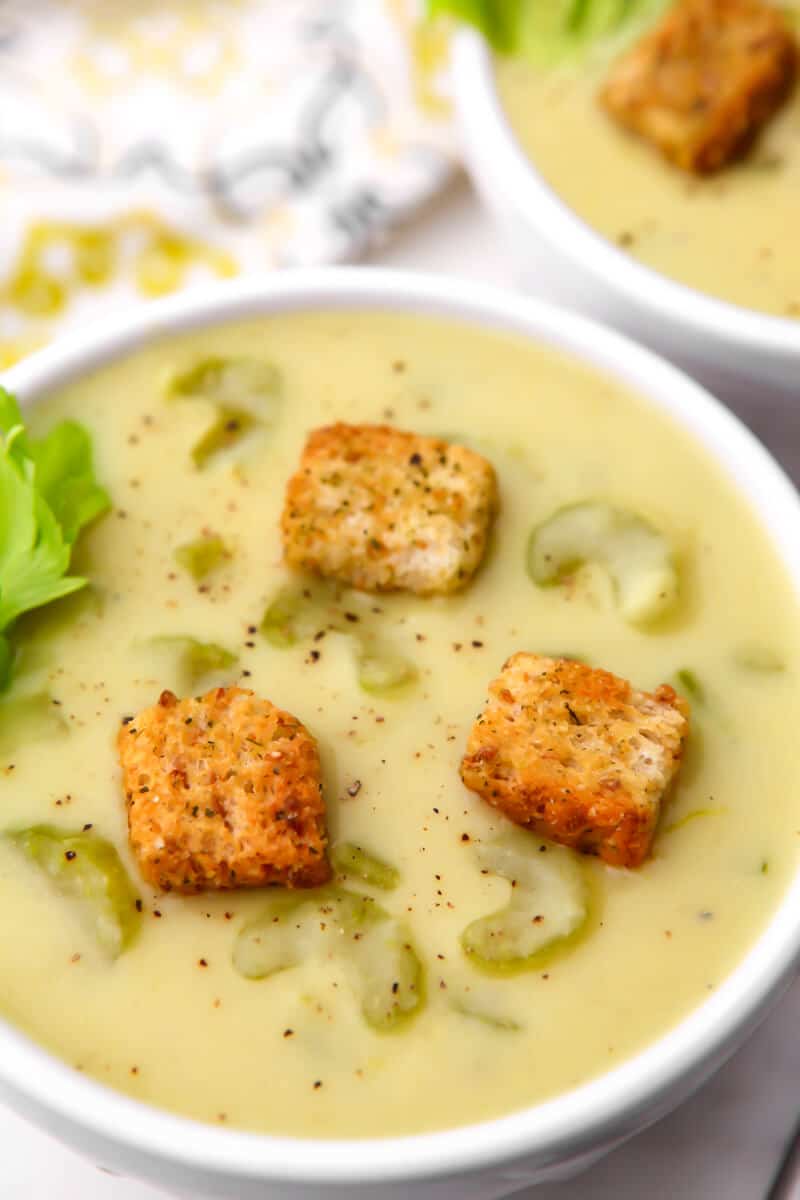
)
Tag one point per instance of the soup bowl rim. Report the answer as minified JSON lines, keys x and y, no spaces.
{"x":644,"y":1085}
{"x":492,"y":142}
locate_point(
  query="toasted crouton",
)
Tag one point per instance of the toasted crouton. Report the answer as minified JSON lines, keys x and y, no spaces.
{"x":577,"y":755}
{"x":384,"y":510}
{"x":223,"y":791}
{"x":705,"y":81}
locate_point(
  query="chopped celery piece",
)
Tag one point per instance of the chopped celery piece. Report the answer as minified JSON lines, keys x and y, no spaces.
{"x":243,"y":392}
{"x":691,"y":685}
{"x":759,"y":658}
{"x":301,"y":610}
{"x":196,"y":659}
{"x":635,"y":554}
{"x":375,"y":948}
{"x":547,"y":910}
{"x":85,"y":867}
{"x":382,"y":671}
{"x":694,"y":815}
{"x":349,"y":859}
{"x":468,"y":1006}
{"x":202,"y":556}
{"x":228,"y":427}
{"x":246,"y":384}
{"x":32,"y":718}
{"x":292,"y":616}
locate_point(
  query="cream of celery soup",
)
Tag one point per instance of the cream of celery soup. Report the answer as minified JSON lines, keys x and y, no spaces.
{"x":731,"y":234}
{"x":189,"y":1002}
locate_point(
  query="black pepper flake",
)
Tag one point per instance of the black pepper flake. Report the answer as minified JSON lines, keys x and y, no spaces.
{"x":69,"y":855}
{"x":127,"y":720}
{"x":314,"y":655}
{"x":139,"y":906}
{"x":477,"y":645}
{"x":465,"y":837}
{"x":287,"y":1033}
{"x":317,"y":1084}
{"x":354,"y":788}
{"x":156,"y":912}
{"x":87,"y":827}
{"x":202,"y":963}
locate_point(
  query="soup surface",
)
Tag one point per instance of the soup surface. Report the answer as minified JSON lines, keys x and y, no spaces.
{"x":171,"y":1021}
{"x":732,"y":235}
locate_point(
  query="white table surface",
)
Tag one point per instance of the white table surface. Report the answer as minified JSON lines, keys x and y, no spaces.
{"x":722,"y":1145}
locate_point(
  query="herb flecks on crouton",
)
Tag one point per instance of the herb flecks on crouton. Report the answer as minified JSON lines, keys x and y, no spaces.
{"x":705,"y":81}
{"x":223,"y":791}
{"x":383,"y":510}
{"x":577,"y":755}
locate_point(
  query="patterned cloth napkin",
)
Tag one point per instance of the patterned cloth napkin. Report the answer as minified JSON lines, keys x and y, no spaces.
{"x":149,"y":144}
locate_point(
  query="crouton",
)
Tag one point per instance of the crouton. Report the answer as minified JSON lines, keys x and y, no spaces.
{"x":384,"y":510}
{"x":577,"y":755}
{"x":223,"y":791}
{"x":702,"y":84}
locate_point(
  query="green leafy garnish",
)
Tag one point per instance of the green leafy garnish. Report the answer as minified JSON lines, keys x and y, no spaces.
{"x":48,"y":494}
{"x":547,"y":31}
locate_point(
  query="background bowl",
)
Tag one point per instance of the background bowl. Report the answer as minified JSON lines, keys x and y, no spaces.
{"x":550,"y":1140}
{"x":558,"y":256}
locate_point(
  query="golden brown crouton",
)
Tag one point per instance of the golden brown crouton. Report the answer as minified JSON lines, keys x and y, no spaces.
{"x":384,"y":510}
{"x":705,"y":81}
{"x":223,"y":792}
{"x":577,"y":755}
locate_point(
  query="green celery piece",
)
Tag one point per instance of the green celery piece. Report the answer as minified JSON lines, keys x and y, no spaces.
{"x":350,"y":859}
{"x":31,"y":718}
{"x":383,"y":672}
{"x":248,"y":384}
{"x":87,"y":868}
{"x":547,"y":911}
{"x":298,"y":611}
{"x":303,"y":608}
{"x":196,"y":659}
{"x":201,"y":556}
{"x":759,"y":658}
{"x":689,"y":683}
{"x":243,"y":392}
{"x":467,"y":1006}
{"x":228,"y":427}
{"x":636,"y":555}
{"x":376,"y":949}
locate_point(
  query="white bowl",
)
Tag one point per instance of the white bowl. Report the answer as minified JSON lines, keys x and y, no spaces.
{"x":557,"y":255}
{"x":550,"y":1140}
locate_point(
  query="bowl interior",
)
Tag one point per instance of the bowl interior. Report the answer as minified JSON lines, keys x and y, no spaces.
{"x":574,"y":1120}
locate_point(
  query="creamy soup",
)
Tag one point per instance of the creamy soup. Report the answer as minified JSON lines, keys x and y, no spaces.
{"x":733,"y":235}
{"x":171,"y":1021}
